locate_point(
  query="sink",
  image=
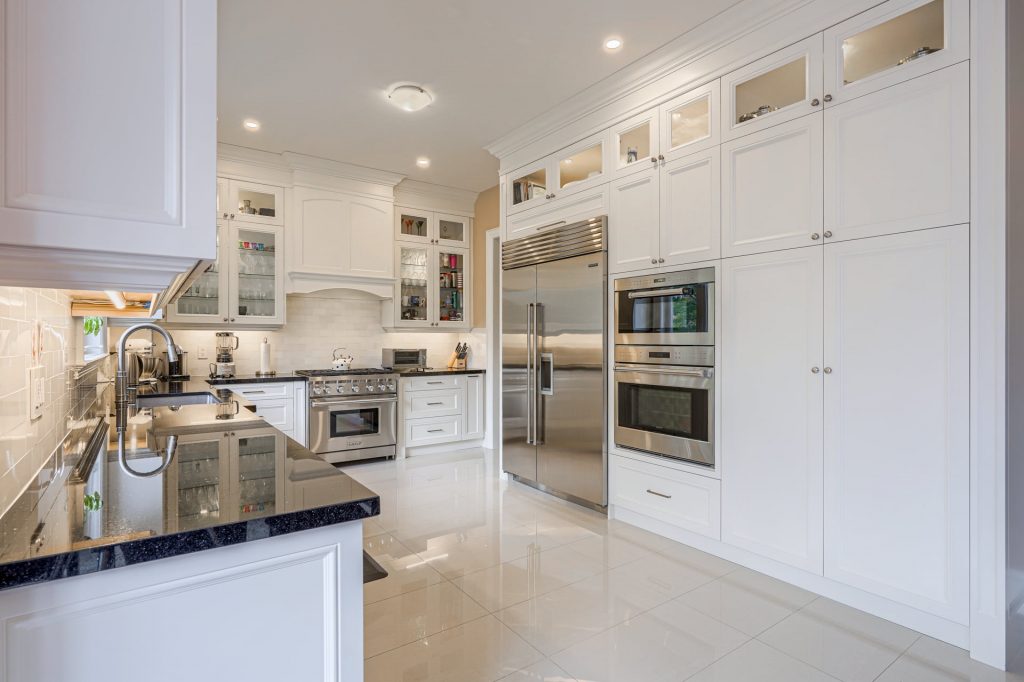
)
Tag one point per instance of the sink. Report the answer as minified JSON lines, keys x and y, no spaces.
{"x":144,"y":401}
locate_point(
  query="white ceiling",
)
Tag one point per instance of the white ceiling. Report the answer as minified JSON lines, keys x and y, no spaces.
{"x":314,"y":72}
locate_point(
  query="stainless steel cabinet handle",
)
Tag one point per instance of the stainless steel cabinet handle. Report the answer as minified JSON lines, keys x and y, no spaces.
{"x":828,"y":234}
{"x":655,"y":492}
{"x":431,"y":404}
{"x":828,"y":98}
{"x":544,"y":227}
{"x":815,"y":236}
{"x":253,"y":392}
{"x":828,"y":370}
{"x":815,"y":370}
{"x":815,"y":102}
{"x":435,"y":430}
{"x":435,"y":382}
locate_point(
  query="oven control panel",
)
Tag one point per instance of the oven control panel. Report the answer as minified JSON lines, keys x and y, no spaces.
{"x":686,"y":356}
{"x":353,"y":386}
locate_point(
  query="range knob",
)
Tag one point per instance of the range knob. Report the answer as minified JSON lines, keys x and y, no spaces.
{"x":317,"y":389}
{"x":355,"y":388}
{"x":391,"y":386}
{"x":370,"y":387}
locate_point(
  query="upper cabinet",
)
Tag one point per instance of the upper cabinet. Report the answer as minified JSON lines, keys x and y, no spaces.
{"x":105,"y":154}
{"x":891,"y":43}
{"x":429,"y":227}
{"x":251,"y":202}
{"x":568,"y":171}
{"x":634,"y":144}
{"x":780,"y":87}
{"x":690,"y":122}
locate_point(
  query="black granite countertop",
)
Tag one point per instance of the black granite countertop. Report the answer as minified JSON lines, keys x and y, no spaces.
{"x":109,"y":500}
{"x":440,"y":371}
{"x":280,"y":377}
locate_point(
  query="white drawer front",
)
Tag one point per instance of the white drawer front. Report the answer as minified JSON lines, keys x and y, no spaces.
{"x":279,"y":413}
{"x":433,"y":431}
{"x":433,"y":383}
{"x":558,"y":213}
{"x":255,"y":392}
{"x":446,"y":402}
{"x":686,"y":500}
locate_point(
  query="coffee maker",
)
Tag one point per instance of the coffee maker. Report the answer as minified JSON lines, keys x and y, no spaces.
{"x":224,"y":368}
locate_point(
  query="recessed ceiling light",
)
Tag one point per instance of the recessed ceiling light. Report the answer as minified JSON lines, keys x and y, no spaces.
{"x":251,"y":124}
{"x":409,"y":97}
{"x":423,"y":162}
{"x":566,"y":161}
{"x":613,"y":43}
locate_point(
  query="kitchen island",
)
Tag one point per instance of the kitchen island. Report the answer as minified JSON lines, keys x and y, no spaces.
{"x":197,"y":543}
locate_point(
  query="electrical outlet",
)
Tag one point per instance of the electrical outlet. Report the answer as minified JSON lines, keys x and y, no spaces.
{"x":201,"y":353}
{"x":36,"y":391}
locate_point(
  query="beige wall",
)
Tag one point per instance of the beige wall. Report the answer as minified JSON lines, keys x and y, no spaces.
{"x":485,"y":218}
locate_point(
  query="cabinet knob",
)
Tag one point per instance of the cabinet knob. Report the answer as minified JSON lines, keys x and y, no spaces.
{"x":828,"y":370}
{"x":815,"y":102}
{"x":661,"y":157}
{"x":815,"y":236}
{"x":828,"y":98}
{"x":654,"y":159}
{"x":232,"y":319}
{"x":661,"y":260}
{"x":828,"y":234}
{"x":225,"y":319}
{"x":815,"y":370}
{"x":654,"y":261}
{"x":225,"y":215}
{"x":232,"y":216}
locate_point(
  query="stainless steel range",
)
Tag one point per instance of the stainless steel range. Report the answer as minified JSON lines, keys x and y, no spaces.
{"x":353,"y":413}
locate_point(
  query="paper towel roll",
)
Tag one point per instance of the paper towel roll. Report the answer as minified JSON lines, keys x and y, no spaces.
{"x":265,"y":357}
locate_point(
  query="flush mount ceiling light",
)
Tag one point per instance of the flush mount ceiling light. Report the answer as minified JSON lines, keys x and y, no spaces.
{"x":423,"y":162}
{"x":251,"y":124}
{"x":612,"y":44}
{"x":409,"y":97}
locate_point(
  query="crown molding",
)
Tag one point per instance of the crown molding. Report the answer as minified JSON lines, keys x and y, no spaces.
{"x":424,"y":195}
{"x":290,"y":162}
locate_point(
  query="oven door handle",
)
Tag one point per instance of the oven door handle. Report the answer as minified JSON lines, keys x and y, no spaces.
{"x":702,"y":372}
{"x":654,"y":293}
{"x":323,"y":404}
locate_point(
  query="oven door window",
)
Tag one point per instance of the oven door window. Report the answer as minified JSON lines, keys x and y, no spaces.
{"x":672,"y":411}
{"x":682,"y":310}
{"x":356,"y":422}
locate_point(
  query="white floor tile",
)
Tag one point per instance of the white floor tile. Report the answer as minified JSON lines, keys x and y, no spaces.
{"x":757,"y":662}
{"x":409,"y":617}
{"x":929,"y":660}
{"x":846,"y":643}
{"x":610,"y":551}
{"x":544,"y":671}
{"x":748,"y":601}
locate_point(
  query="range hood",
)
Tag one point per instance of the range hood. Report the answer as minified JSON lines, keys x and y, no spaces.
{"x":136,"y":305}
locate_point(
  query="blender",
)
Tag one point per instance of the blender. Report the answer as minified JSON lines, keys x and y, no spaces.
{"x":224,"y":368}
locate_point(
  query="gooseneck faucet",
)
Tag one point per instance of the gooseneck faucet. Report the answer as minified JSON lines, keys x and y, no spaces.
{"x":121,"y":381}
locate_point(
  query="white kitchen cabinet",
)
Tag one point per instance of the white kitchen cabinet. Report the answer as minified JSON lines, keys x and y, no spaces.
{"x":897,"y":470}
{"x":578,"y":167}
{"x":430,"y":227}
{"x":475,"y":405}
{"x":899,"y":159}
{"x":443,"y":402}
{"x":634,"y":144}
{"x":432,"y":287}
{"x":633,"y":222}
{"x":772,"y":192}
{"x":282,"y":404}
{"x":691,"y":122}
{"x":780,"y":87}
{"x":883,"y":46}
{"x":109,"y":121}
{"x":252,"y":202}
{"x":771,"y":421}
{"x":440,"y":410}
{"x":668,"y":495}
{"x":558,"y":213}
{"x":336,"y":237}
{"x":245,"y":286}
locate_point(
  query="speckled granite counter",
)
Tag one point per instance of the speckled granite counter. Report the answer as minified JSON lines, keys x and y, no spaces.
{"x":108,"y":502}
{"x":253,"y":379}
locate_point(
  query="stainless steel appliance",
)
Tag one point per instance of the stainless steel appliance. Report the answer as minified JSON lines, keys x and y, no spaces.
{"x":553,"y":361}
{"x":353,"y":414}
{"x":676,"y":308}
{"x":665,"y":401}
{"x":404,"y":358}
{"x":224,"y":367}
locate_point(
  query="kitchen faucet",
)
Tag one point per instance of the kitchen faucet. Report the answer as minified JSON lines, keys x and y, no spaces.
{"x":121,"y":381}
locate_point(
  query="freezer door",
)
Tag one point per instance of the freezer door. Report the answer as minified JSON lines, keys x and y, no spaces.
{"x":519,"y":288}
{"x":571,"y":453}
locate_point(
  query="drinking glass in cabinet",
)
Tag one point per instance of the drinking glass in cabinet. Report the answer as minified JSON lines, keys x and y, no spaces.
{"x":256,"y":203}
{"x":771,"y":91}
{"x":690,"y":122}
{"x":413,"y":225}
{"x":530,"y":186}
{"x":451,"y":230}
{"x":901,"y":40}
{"x":580,"y":166}
{"x":635,"y":144}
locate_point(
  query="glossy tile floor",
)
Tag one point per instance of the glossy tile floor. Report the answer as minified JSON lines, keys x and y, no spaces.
{"x":490,"y":580}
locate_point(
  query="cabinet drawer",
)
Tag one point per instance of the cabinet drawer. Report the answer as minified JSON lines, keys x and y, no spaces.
{"x":558,"y":213}
{"x":433,"y":430}
{"x":433,"y":383}
{"x":440,"y":403}
{"x":278,"y":412}
{"x":257,"y":392}
{"x":686,"y":500}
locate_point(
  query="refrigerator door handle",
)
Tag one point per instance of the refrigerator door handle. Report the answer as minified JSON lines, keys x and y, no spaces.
{"x":538,"y":389}
{"x":529,"y":374}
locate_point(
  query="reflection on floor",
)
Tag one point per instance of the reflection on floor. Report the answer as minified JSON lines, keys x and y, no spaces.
{"x":490,"y":580}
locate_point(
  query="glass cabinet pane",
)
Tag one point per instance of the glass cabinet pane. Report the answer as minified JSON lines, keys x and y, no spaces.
{"x":413,"y":271}
{"x":530,"y":186}
{"x":690,"y":122}
{"x":772,"y":90}
{"x":635,"y":144}
{"x":203,"y":297}
{"x":452,"y":230}
{"x":898,"y":41}
{"x":451,"y":282}
{"x":252,"y":202}
{"x":257,"y":476}
{"x":414,"y":225}
{"x":580,"y":166}
{"x":257,"y":273}
{"x":199,"y":483}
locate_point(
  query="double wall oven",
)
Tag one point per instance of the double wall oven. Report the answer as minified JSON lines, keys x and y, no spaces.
{"x":664,"y":365}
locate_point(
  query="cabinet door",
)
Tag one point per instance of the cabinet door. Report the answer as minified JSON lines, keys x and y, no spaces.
{"x":257,"y":274}
{"x":772,"y":188}
{"x":256,"y":483}
{"x":897,"y":470}
{"x":370,"y":238}
{"x":633,"y":222}
{"x":413,"y":225}
{"x":207,"y":301}
{"x":633,"y":144}
{"x":691,"y":122}
{"x":475,"y":406}
{"x":338,"y":235}
{"x":109,"y":131}
{"x":414,"y":285}
{"x":196,"y":482}
{"x":780,"y":87}
{"x":691,"y":208}
{"x":223,"y":199}
{"x":452,"y":278}
{"x":531,"y":185}
{"x":453,"y":230}
{"x":899,"y":159}
{"x":580,"y":166}
{"x":256,"y":203}
{"x":771,"y":382}
{"x":891,"y":43}
{"x":558,"y":213}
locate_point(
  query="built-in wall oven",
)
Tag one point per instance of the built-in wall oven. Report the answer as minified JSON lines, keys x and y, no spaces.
{"x":676,"y":308}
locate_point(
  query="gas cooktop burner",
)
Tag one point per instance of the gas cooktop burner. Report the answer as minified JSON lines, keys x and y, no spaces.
{"x":339,"y":372}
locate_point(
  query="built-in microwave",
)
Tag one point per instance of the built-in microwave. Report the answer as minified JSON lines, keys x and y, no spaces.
{"x":676,"y":309}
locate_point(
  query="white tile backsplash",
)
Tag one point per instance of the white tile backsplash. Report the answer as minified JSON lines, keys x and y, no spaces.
{"x":317,"y":324}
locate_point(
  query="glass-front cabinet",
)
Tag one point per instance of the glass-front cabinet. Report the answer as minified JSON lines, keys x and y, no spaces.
{"x":690,"y":122}
{"x":570,"y":170}
{"x":256,"y":460}
{"x":429,"y":227}
{"x":206,"y":301}
{"x":452,"y":279}
{"x":413,"y":285}
{"x":893,"y":42}
{"x":432,"y":287}
{"x":250,"y":201}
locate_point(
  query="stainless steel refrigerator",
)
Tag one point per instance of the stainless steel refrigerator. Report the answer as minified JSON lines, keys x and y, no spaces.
{"x":554,"y":305}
